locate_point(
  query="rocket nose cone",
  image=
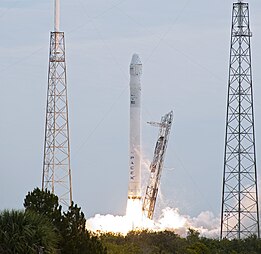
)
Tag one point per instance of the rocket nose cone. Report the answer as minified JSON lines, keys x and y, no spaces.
{"x":135,"y":60}
{"x":135,"y":66}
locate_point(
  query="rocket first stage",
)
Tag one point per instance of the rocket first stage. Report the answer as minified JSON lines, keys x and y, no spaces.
{"x":134,"y":190}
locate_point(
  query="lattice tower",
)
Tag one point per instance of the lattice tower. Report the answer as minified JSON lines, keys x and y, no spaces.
{"x":56,"y":165}
{"x":156,"y":165}
{"x":239,"y":213}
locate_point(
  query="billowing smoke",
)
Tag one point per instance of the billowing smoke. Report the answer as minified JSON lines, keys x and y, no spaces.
{"x":170,"y":219}
{"x":167,"y":219}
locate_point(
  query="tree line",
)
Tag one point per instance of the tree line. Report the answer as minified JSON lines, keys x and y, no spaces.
{"x":43,"y":228}
{"x":167,"y":242}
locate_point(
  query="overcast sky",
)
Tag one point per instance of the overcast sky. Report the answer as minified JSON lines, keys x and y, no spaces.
{"x":184,"y":47}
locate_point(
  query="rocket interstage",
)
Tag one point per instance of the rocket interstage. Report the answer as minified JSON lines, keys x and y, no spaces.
{"x":134,"y":190}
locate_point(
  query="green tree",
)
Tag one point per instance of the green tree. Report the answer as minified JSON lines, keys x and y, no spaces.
{"x":45,"y":203}
{"x":167,"y":242}
{"x":198,"y":248}
{"x":26,"y":232}
{"x":192,"y":236}
{"x":70,"y":225}
{"x":76,"y":239}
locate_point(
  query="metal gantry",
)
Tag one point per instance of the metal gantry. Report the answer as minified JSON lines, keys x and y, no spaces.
{"x":239,"y":213}
{"x":156,"y":165}
{"x":56,"y":165}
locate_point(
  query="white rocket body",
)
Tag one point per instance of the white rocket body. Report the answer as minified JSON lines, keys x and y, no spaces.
{"x":134,"y":190}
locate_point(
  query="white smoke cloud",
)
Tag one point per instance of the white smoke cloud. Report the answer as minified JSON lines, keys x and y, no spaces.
{"x":108,"y":223}
{"x":167,"y":219}
{"x":170,"y":219}
{"x":207,"y":224}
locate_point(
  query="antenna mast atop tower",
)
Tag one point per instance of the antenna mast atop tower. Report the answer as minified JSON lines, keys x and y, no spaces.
{"x":57,"y":16}
{"x":56,"y":164}
{"x":240,"y":214}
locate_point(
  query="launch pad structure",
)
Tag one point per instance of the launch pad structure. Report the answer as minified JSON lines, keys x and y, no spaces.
{"x":56,"y":163}
{"x":239,"y":212}
{"x":156,"y":165}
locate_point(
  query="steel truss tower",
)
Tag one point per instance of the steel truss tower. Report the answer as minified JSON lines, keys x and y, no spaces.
{"x":239,"y":215}
{"x":156,"y":165}
{"x":56,"y":165}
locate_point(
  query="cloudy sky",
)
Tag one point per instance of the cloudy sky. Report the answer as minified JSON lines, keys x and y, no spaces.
{"x":184,"y":47}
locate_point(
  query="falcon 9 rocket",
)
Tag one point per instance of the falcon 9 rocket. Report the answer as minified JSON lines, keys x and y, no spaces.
{"x":134,"y":190}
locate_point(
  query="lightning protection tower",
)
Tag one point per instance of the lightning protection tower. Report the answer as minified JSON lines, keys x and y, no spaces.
{"x":56,"y":164}
{"x":239,"y":214}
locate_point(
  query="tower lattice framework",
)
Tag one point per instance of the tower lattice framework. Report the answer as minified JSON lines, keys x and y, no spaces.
{"x":239,"y":214}
{"x":156,"y":166}
{"x":56,"y":165}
